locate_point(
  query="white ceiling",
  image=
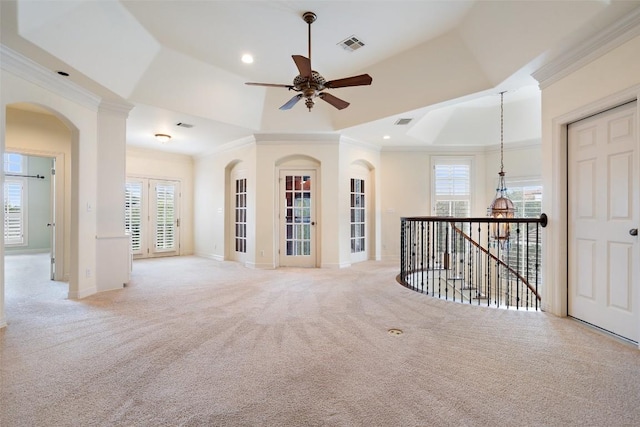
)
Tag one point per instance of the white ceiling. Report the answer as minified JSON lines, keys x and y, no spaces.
{"x":441,"y":63}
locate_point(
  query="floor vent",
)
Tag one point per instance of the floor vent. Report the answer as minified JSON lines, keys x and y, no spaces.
{"x":352,"y":43}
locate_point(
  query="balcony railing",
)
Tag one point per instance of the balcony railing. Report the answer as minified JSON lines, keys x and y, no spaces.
{"x":458,"y":259}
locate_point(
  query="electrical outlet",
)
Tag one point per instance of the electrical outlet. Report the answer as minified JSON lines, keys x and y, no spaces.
{"x":88,"y":272}
{"x":262,"y":253}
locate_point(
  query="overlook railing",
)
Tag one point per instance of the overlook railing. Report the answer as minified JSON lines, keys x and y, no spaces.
{"x":458,"y":259}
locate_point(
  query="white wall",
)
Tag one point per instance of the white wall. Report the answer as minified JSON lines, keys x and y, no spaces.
{"x":82,"y":121}
{"x":607,"y":81}
{"x":406,"y":183}
{"x":261,"y":160}
{"x":155,"y":164}
{"x":210,"y":204}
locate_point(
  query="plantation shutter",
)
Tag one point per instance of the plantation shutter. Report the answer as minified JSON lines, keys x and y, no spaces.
{"x":133,"y":214}
{"x":165,"y":217}
{"x":452,"y":187}
{"x":13,"y":212}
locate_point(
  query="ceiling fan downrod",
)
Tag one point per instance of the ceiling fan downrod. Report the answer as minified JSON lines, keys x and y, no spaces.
{"x":309,"y":18}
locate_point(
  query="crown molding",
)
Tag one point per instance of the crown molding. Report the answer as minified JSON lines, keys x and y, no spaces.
{"x":114,"y":106}
{"x":29,"y":70}
{"x":296,"y":138}
{"x":589,"y":50}
{"x":358,"y":143}
{"x":229,"y":146}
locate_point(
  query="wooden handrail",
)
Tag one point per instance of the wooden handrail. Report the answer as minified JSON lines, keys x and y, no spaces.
{"x":486,"y":251}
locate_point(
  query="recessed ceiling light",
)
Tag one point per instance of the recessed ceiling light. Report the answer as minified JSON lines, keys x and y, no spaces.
{"x":386,"y":137}
{"x":247,"y":58}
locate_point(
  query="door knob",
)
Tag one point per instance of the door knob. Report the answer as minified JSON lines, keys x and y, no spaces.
{"x":633,"y":231}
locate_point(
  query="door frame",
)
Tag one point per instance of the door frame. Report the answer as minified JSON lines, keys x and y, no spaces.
{"x":361,"y":171}
{"x":149,"y":239}
{"x":315,"y":193}
{"x":555,"y":248}
{"x":595,"y":311}
{"x":56,"y":204}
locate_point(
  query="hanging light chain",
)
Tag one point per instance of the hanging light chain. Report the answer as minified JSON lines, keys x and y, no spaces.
{"x":501,"y":132}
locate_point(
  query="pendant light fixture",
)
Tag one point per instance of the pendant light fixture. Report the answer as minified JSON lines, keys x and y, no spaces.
{"x":501,"y":207}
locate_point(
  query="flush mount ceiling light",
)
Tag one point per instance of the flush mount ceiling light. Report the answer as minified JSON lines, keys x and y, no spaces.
{"x":162,"y":137}
{"x":247,"y":58}
{"x":386,"y":137}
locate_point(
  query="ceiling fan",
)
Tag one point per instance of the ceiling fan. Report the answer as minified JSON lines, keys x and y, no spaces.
{"x":311,"y":84}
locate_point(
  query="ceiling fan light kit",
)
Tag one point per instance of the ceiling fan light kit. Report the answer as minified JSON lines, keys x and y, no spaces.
{"x":310,"y":84}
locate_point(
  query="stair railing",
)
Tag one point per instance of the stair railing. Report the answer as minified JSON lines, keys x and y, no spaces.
{"x":457,"y":259}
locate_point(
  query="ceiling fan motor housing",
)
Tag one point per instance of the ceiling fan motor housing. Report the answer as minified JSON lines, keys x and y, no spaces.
{"x":317,"y":81}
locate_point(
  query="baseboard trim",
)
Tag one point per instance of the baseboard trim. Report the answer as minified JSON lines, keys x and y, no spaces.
{"x":83,"y":294}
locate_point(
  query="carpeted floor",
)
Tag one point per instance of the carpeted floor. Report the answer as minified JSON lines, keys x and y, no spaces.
{"x":196,"y":342}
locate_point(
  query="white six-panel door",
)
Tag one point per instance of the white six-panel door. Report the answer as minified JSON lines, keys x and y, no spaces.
{"x":604,"y":204}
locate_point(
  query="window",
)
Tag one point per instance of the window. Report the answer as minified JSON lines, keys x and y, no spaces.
{"x":14,"y":163}
{"x":452,"y":187}
{"x":14,"y":200}
{"x":241,"y":215}
{"x":151,"y":215}
{"x":133,"y":214}
{"x":526,"y":195}
{"x":357,"y":216}
{"x":165,"y":216}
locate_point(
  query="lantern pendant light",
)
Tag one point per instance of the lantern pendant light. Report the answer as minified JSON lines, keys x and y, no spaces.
{"x":501,"y":207}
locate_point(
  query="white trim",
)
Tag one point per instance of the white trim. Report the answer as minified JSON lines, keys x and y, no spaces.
{"x":555,"y":245}
{"x":296,"y":138}
{"x":27,"y":69}
{"x":230,"y":146}
{"x":357,"y":143}
{"x":119,"y":107}
{"x":589,"y":50}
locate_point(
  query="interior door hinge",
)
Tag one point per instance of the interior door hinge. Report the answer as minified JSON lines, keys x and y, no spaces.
{"x":53,"y":171}
{"x":178,"y":222}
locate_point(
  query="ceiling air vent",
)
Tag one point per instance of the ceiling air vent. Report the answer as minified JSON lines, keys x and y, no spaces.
{"x":402,"y":122}
{"x":184,"y":125}
{"x":352,"y":43}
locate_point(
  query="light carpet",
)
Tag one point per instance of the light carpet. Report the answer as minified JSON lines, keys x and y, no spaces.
{"x":196,"y":342}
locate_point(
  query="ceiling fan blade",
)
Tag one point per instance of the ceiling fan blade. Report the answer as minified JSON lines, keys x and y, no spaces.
{"x":268,"y":85}
{"x":303,"y":64}
{"x":361,"y":80}
{"x":336,"y":102}
{"x":293,"y":101}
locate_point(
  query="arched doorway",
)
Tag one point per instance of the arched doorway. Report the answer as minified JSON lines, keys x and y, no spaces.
{"x":42,"y":140}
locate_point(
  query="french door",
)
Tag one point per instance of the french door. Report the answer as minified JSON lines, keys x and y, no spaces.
{"x":152,"y":217}
{"x":297,"y":218}
{"x":603,"y":218}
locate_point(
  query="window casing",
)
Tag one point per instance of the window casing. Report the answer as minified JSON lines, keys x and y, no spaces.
{"x":451,"y":188}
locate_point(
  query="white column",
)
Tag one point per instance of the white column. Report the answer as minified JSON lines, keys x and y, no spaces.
{"x":112,"y":244}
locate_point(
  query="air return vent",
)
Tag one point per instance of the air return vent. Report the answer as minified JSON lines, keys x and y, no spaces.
{"x":402,"y":122}
{"x":184,"y":125}
{"x":352,"y":43}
